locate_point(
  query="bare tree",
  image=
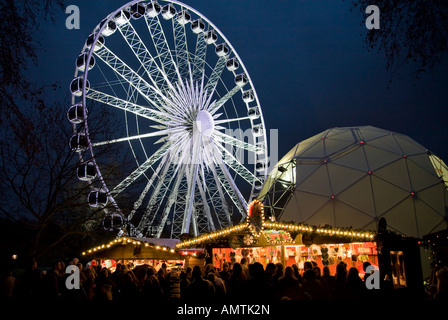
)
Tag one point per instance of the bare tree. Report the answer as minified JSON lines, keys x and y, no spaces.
{"x":40,"y":187}
{"x":411,"y":33}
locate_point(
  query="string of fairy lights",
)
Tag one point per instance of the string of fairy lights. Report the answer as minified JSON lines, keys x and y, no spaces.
{"x":247,"y":226}
{"x":337,"y":233}
{"x":127,"y":241}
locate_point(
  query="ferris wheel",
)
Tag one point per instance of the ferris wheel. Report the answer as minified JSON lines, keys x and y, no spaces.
{"x":189,"y":121}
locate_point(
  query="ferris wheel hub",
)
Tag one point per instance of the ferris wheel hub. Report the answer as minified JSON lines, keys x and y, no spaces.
{"x":205,"y":123}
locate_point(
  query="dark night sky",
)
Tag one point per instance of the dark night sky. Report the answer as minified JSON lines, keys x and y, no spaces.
{"x":307,"y":62}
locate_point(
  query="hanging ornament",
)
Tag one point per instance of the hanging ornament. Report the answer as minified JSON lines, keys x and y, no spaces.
{"x":325,"y":256}
{"x":248,"y":239}
{"x":255,"y":217}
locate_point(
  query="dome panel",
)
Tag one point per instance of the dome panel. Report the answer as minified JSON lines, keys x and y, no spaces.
{"x":331,"y":132}
{"x":427,"y":218}
{"x":402,"y":217}
{"x":346,"y":135}
{"x":291,"y":211}
{"x":370,"y":133}
{"x":317,"y":183}
{"x":359,"y":196}
{"x":386,"y":195}
{"x":290,"y":155}
{"x":314,"y":151}
{"x":372,"y":225}
{"x":424,"y":162}
{"x":323,"y":216}
{"x":305,"y":145}
{"x":346,"y":216}
{"x":377,"y":158}
{"x":421,"y":178}
{"x":409,"y":146}
{"x":306,"y":205}
{"x":434,"y":198}
{"x":303,"y":171}
{"x":387,"y":143}
{"x":355,"y":159}
{"x":336,"y":146}
{"x":396,"y":173}
{"x":342,"y":177}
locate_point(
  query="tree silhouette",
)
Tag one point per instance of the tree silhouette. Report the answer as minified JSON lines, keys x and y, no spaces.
{"x":411,"y":32}
{"x":43,"y":204}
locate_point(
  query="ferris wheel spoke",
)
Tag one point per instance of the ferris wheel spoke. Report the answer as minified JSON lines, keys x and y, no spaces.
{"x":140,"y":170}
{"x":181,"y":46}
{"x":230,"y":160}
{"x":180,"y":202}
{"x":142,"y":53}
{"x":199,"y":57}
{"x":226,"y":139}
{"x":240,"y":203}
{"x":125,"y":105}
{"x":128,"y":74}
{"x":216,"y":74}
{"x":232,"y":185}
{"x":149,"y":184}
{"x":156,"y":200}
{"x":130,"y":138}
{"x":170,"y":202}
{"x":209,"y":220}
{"x":223,"y":215}
{"x":163,"y":50}
{"x":224,"y":99}
{"x":192,"y":177}
{"x":224,"y":121}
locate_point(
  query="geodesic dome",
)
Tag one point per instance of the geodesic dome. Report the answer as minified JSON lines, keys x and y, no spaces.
{"x":353,"y":176}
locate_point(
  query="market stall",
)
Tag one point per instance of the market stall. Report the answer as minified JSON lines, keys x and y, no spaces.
{"x":265,"y":242}
{"x":137,"y":251}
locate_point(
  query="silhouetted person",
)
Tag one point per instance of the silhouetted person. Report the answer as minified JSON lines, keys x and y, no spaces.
{"x":256,"y":287}
{"x":270,"y":272}
{"x":237,"y":282}
{"x":152,"y":289}
{"x":287,"y":286}
{"x":278,"y":272}
{"x":442,"y":285}
{"x":184,"y":283}
{"x":52,"y":281}
{"x":219,"y":285}
{"x":355,"y":287}
{"x":200,"y":289}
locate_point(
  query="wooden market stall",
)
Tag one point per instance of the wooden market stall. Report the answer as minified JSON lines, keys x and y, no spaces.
{"x":266,"y":242}
{"x":138,"y":251}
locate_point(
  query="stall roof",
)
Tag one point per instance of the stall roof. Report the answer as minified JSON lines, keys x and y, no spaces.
{"x":163,"y":242}
{"x":136,"y":248}
{"x":244,"y":229}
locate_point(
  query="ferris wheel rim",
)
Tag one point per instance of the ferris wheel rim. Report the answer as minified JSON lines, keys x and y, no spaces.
{"x":98,"y":32}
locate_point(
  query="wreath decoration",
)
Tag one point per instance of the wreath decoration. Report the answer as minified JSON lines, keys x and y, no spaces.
{"x":255,"y":218}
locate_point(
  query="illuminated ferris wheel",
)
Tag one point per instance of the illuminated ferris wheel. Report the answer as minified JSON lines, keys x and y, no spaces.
{"x":190,"y":122}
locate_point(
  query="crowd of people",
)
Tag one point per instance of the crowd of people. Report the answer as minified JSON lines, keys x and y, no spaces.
{"x":233,"y":282}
